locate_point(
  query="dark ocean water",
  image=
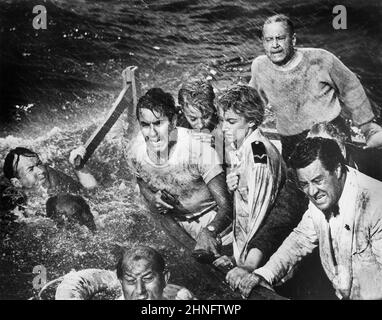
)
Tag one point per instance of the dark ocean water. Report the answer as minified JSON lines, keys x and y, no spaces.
{"x":68,"y":75}
{"x":51,"y":77}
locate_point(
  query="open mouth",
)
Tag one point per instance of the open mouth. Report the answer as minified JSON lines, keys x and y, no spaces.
{"x":155,"y":143}
{"x":319,"y":198}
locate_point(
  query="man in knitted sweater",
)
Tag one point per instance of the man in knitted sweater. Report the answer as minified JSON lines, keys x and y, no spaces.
{"x":305,"y":86}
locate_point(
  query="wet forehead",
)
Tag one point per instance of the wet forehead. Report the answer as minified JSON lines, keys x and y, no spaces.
{"x":138,"y":267}
{"x":190,"y":110}
{"x":275,"y":29}
{"x":229,"y":114}
{"x":25,"y":162}
{"x":312,"y":171}
{"x":146,"y":115}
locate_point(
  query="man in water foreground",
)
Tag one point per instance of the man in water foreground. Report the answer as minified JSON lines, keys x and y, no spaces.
{"x":141,"y":274}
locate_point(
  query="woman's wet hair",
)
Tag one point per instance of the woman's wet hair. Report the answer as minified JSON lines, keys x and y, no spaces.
{"x":244,"y":101}
{"x":10,"y":164}
{"x":159,"y":102}
{"x":200,"y":94}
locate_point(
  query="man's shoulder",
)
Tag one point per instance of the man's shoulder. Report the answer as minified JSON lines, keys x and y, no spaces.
{"x":260,"y":59}
{"x":366,"y":182}
{"x":260,"y":62}
{"x":136,"y":148}
{"x":317,"y":54}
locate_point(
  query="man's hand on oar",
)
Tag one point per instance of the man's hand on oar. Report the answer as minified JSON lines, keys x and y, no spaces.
{"x":84,"y":176}
{"x":76,"y":156}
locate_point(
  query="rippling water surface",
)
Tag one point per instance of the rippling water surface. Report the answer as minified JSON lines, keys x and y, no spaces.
{"x":68,"y":75}
{"x":73,"y":67}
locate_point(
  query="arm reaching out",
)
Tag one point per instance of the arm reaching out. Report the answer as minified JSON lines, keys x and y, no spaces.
{"x":84,"y":176}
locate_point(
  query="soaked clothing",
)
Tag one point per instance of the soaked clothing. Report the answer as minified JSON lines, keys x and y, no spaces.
{"x":84,"y":284}
{"x":317,"y":89}
{"x":260,"y":176}
{"x":184,"y":177}
{"x":350,"y":241}
{"x":217,"y":142}
{"x":285,"y":214}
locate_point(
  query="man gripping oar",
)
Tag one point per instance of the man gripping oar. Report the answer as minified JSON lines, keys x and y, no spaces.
{"x":81,"y":155}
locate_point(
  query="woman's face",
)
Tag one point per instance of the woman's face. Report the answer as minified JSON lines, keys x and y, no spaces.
{"x":196,"y":119}
{"x":235,"y":127}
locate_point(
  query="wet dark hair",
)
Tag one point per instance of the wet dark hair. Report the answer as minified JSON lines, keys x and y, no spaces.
{"x":244,"y":101}
{"x":157,"y":101}
{"x":10,"y":170}
{"x":138,"y":253}
{"x":311,"y":149}
{"x":280,"y":18}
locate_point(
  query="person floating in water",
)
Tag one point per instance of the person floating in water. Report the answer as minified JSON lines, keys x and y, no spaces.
{"x":141,"y":274}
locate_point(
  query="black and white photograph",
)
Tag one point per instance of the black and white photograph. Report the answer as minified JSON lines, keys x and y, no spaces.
{"x":195,"y":150}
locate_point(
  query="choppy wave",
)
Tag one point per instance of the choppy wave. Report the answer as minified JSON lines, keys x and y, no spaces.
{"x":54,"y":76}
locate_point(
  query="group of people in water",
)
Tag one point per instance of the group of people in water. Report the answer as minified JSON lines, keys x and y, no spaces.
{"x":207,"y":163}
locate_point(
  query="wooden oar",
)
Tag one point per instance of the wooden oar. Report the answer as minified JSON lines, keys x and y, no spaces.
{"x":119,"y":105}
{"x":214,"y":274}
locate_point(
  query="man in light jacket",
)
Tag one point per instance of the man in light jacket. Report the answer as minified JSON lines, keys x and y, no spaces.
{"x":343,"y":219}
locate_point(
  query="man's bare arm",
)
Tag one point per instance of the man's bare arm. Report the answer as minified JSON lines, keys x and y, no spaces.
{"x":219,"y":191}
{"x":208,"y":240}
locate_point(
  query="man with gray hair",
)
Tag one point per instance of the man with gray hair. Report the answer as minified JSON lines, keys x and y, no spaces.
{"x":305,"y":86}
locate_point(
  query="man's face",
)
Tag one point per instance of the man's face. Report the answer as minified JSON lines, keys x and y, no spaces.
{"x":196,"y":119}
{"x":141,"y":281}
{"x":235,"y":127}
{"x":323,"y":187}
{"x":278,"y":42}
{"x":156,"y":129}
{"x":31,"y":172}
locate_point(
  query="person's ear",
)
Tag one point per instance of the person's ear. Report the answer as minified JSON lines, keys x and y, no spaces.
{"x":251,"y":124}
{"x":294,"y":40}
{"x":338,"y":171}
{"x":166,"y":276}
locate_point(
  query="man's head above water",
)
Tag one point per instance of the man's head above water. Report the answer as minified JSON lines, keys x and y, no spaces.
{"x":156,"y":114}
{"x":142,"y":273}
{"x":321,"y":171}
{"x":26,"y":166}
{"x":279,"y":39}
